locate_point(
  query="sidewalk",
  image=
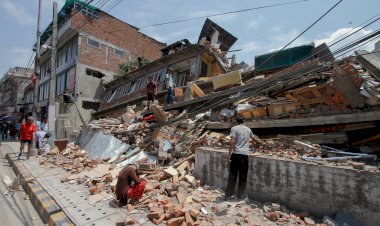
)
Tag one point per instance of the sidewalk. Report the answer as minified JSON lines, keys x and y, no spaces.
{"x":14,"y":210}
{"x":70,"y":199}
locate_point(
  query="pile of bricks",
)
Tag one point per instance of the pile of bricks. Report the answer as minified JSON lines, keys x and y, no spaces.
{"x":72,"y":159}
{"x":271,"y":148}
{"x":173,"y":197}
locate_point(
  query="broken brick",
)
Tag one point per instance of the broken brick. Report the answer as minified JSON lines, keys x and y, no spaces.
{"x":302,"y":215}
{"x":154,"y":215}
{"x":169,"y":207}
{"x":358,"y":165}
{"x":159,"y":220}
{"x":175,"y":221}
{"x":180,"y":197}
{"x":194,"y":212}
{"x":189,"y":219}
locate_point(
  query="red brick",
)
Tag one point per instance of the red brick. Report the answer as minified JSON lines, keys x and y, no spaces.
{"x":180,"y":197}
{"x":120,"y":223}
{"x":302,"y":215}
{"x":175,"y":221}
{"x":358,"y":165}
{"x":159,"y":220}
{"x":154,"y":215}
{"x":189,"y":219}
{"x":194,"y":212}
{"x":129,"y":221}
{"x":130,"y":207}
{"x":169,"y":216}
{"x":168,"y":208}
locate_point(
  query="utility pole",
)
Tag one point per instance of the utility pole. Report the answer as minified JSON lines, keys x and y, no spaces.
{"x":36,"y":62}
{"x":36,"y":71}
{"x":51,"y":111}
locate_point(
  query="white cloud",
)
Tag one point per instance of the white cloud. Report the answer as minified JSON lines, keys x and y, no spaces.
{"x":253,"y":24}
{"x":340,"y":33}
{"x":332,"y":37}
{"x":250,"y":46}
{"x":17,"y":12}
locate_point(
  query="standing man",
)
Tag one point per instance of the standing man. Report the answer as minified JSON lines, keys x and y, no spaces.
{"x":28,"y":134}
{"x":4,"y":130}
{"x":169,"y":86}
{"x":238,"y":157}
{"x":151,"y":90}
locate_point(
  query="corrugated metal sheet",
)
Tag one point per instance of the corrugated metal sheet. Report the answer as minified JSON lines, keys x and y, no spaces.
{"x":284,"y":58}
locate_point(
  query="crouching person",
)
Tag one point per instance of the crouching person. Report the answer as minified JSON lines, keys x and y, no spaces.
{"x":129,"y":185}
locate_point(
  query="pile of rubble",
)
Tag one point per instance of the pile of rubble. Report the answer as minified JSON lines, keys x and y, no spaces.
{"x":172,"y":195}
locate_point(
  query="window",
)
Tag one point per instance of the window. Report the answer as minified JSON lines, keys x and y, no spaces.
{"x":43,"y":91}
{"x":93,"y":43}
{"x":86,"y":10}
{"x":119,"y":52}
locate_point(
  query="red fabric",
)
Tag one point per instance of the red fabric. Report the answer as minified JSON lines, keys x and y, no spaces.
{"x":148,"y":118}
{"x":136,"y":191}
{"x":27,"y":131}
{"x":151,"y":86}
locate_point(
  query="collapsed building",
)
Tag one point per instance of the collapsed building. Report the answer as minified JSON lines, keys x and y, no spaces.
{"x":319,"y":118}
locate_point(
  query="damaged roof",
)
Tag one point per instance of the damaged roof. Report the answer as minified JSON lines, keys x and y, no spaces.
{"x":225,"y":38}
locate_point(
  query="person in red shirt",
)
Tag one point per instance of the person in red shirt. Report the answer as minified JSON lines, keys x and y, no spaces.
{"x":151,"y":89}
{"x":28,"y":135}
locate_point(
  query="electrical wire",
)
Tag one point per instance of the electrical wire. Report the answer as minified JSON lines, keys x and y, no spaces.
{"x":221,"y":14}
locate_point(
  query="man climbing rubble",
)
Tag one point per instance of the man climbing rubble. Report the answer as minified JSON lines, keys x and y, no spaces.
{"x":238,"y":157}
{"x":129,"y":185}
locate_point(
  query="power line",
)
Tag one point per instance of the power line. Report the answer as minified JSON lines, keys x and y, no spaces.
{"x":225,"y":13}
{"x":300,"y":34}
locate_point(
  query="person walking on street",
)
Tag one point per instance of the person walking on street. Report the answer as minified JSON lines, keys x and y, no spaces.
{"x":4,"y":131}
{"x":28,"y":135}
{"x":18,"y":127}
{"x":238,"y":157}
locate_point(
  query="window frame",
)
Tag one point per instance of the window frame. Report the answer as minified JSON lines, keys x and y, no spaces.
{"x":93,"y":40}
{"x":120,"y":51}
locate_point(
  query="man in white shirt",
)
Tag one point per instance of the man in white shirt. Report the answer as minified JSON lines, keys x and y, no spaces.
{"x":238,"y":157}
{"x":169,"y":86}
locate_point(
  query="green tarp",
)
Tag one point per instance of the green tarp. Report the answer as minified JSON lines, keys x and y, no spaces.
{"x":284,"y":58}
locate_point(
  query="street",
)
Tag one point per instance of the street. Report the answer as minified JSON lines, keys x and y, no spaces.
{"x":17,"y":209}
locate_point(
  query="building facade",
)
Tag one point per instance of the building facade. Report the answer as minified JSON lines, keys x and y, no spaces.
{"x":91,"y":47}
{"x":12,"y":86}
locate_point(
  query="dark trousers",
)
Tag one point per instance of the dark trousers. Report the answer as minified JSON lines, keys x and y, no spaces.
{"x":238,"y":167}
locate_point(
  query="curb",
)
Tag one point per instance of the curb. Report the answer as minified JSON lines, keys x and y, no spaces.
{"x":49,"y":211}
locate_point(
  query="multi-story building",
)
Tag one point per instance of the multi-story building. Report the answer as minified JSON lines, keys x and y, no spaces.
{"x":91,"y":47}
{"x":12,"y":86}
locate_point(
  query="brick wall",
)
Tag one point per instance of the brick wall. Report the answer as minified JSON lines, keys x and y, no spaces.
{"x":112,"y":32}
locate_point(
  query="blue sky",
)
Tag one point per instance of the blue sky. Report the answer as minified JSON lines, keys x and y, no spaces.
{"x":258,"y":31}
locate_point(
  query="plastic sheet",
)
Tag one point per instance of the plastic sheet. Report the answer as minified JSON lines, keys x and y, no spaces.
{"x":242,"y":107}
{"x":100,"y":145}
{"x":136,"y":158}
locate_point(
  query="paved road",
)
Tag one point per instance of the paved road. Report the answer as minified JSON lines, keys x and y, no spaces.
{"x":14,"y":210}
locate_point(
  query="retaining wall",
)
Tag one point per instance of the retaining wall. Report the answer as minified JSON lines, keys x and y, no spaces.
{"x":302,"y":186}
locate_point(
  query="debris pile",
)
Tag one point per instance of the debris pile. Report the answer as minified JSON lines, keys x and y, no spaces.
{"x":173,"y":196}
